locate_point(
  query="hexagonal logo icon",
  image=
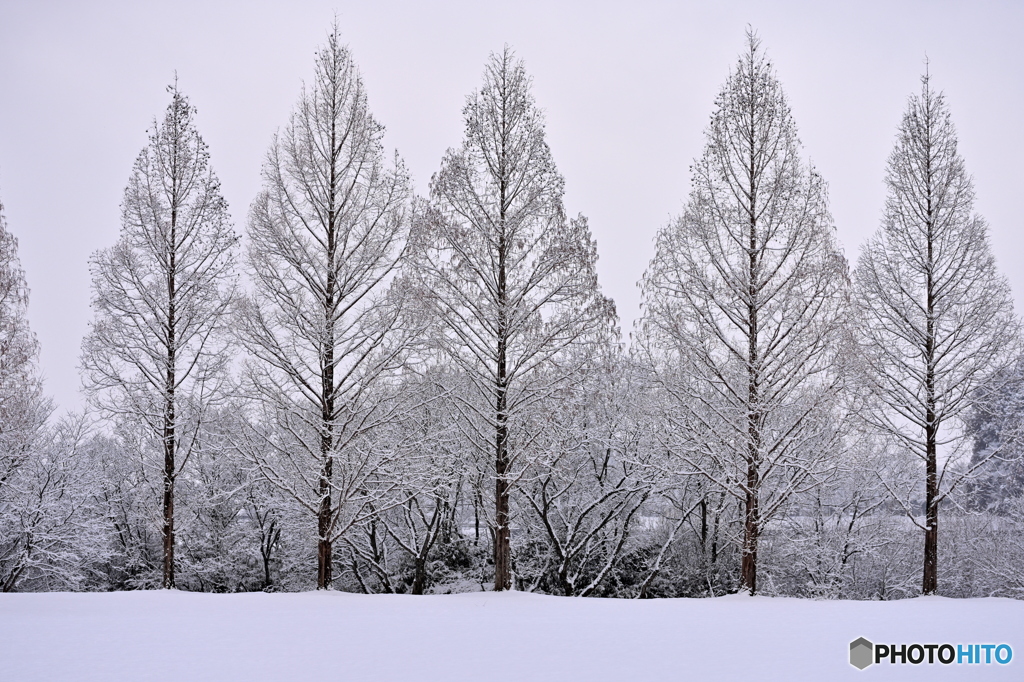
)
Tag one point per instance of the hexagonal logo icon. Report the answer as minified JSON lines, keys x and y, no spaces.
{"x":861,"y":653}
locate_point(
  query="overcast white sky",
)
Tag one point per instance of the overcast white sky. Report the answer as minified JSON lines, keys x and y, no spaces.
{"x":627,"y":89}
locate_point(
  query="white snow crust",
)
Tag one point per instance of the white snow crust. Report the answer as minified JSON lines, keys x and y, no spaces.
{"x":179,"y":636}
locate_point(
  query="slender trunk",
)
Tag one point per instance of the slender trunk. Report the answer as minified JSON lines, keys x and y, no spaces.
{"x":477,"y":503}
{"x":168,"y":503}
{"x":323,"y":553}
{"x":714,"y":531}
{"x":502,"y":534}
{"x":266,"y":551}
{"x":169,"y":434}
{"x":751,"y":532}
{"x":751,"y":516}
{"x":703,"y":525}
{"x":325,"y":512}
{"x":930,"y":578}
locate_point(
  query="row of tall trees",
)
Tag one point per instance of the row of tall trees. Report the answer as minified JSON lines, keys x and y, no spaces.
{"x":766,"y":349}
{"x":404,"y":376}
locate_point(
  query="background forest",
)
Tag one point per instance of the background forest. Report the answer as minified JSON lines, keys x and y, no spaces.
{"x":368,"y":390}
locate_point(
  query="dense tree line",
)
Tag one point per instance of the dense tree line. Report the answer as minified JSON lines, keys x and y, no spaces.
{"x":379,"y":392}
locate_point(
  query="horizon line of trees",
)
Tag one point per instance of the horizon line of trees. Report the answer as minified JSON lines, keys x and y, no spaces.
{"x":383,"y":392}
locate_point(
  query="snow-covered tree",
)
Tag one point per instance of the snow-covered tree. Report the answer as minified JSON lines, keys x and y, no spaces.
{"x":26,"y":531}
{"x":23,"y":409}
{"x":422,"y":521}
{"x":995,"y":425}
{"x":326,"y":324}
{"x":588,"y":480}
{"x":934,"y":319}
{"x":743,"y":309}
{"x":125,"y":488}
{"x":52,"y":536}
{"x":511,"y":279}
{"x":156,"y":353}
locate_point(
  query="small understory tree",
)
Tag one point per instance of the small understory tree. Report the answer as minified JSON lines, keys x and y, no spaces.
{"x":30,"y":512}
{"x":589,"y":479}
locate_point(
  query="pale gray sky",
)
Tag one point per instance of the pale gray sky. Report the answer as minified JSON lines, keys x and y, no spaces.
{"x":627,"y":89}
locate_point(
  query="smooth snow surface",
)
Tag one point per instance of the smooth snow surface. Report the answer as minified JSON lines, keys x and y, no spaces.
{"x":180,"y":636}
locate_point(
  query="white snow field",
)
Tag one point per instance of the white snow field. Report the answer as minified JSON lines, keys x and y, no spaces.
{"x":179,"y":636}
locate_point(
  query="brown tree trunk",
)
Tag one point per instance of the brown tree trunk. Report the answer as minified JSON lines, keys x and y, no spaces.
{"x":419,"y":575}
{"x":168,"y":503}
{"x":930,"y":582}
{"x":266,"y":550}
{"x":751,"y":533}
{"x":325,"y":512}
{"x":324,"y":573}
{"x":477,"y":503}
{"x":169,"y":390}
{"x":930,"y":577}
{"x":751,"y":516}
{"x":323,"y":549}
{"x":169,"y":443}
{"x":751,"y":513}
{"x":502,"y":535}
{"x":168,"y":525}
{"x":704,"y":524}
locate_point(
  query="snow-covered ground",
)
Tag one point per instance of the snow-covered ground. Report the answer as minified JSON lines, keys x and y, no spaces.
{"x":164,"y":635}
